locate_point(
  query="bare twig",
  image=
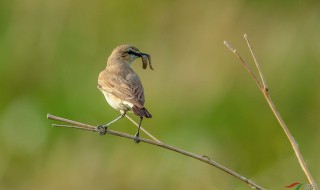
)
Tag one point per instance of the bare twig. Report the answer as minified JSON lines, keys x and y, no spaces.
{"x":257,"y":64}
{"x":245,"y":64}
{"x":145,"y":131}
{"x":265,"y":91}
{"x":205,"y":159}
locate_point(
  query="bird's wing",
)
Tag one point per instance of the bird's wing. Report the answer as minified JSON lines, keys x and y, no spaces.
{"x":127,"y":86}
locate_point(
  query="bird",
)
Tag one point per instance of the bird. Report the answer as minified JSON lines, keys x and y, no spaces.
{"x":122,"y":87}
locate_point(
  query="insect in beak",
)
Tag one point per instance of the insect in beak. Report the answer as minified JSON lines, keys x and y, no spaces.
{"x":146,"y":58}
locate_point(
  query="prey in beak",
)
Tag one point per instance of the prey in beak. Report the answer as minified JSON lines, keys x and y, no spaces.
{"x":146,"y":58}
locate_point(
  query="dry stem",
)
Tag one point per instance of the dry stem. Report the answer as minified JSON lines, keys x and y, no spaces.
{"x":142,"y":129}
{"x":205,"y":159}
{"x":265,"y":91}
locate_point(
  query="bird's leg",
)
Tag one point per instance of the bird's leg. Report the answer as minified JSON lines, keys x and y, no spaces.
{"x":103,"y":128}
{"x":136,"y":137}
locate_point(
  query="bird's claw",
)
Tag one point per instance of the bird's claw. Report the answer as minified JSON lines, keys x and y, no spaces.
{"x":102,"y":129}
{"x":136,"y":138}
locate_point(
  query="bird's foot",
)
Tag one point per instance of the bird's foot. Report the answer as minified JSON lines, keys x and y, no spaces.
{"x":136,"y":138}
{"x":102,"y":129}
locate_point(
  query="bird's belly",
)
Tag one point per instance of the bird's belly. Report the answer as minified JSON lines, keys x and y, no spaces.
{"x":117,"y":103}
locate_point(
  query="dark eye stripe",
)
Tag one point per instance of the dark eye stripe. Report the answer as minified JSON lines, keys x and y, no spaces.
{"x":133,"y":53}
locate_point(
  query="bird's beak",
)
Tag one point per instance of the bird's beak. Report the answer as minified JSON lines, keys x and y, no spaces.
{"x":146,"y":58}
{"x":143,"y":54}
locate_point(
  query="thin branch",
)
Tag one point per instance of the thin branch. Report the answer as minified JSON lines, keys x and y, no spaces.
{"x":264,"y":83}
{"x":263,"y":88}
{"x":205,"y":159}
{"x":245,"y":64}
{"x":145,"y":131}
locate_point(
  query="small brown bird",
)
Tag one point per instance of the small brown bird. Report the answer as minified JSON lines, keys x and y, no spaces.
{"x":121,"y":86}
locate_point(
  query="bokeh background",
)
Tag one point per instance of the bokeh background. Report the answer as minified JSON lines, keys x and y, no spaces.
{"x":202,"y":99}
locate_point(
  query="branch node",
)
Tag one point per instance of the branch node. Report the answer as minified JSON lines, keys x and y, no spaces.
{"x":206,"y":157}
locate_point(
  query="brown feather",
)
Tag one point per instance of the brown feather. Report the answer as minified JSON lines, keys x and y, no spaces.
{"x":142,"y":112}
{"x":125,"y":85}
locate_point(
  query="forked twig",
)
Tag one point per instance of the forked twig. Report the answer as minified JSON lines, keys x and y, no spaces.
{"x":257,"y":64}
{"x":245,"y":64}
{"x":265,"y":91}
{"x":205,"y":159}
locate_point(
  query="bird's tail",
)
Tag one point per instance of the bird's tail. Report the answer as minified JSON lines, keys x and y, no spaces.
{"x":142,"y":112}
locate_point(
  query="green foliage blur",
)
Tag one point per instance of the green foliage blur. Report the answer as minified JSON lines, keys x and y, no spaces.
{"x":202,"y":99}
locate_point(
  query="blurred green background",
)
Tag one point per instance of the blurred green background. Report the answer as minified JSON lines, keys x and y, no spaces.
{"x":202,"y":99}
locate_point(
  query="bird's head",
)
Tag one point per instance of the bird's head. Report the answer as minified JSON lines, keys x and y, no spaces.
{"x":129,"y":53}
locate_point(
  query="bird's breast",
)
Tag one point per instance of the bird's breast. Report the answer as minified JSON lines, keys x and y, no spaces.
{"x":116,"y":103}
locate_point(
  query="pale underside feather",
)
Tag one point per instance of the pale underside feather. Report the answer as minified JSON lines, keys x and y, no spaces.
{"x":126,"y":86}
